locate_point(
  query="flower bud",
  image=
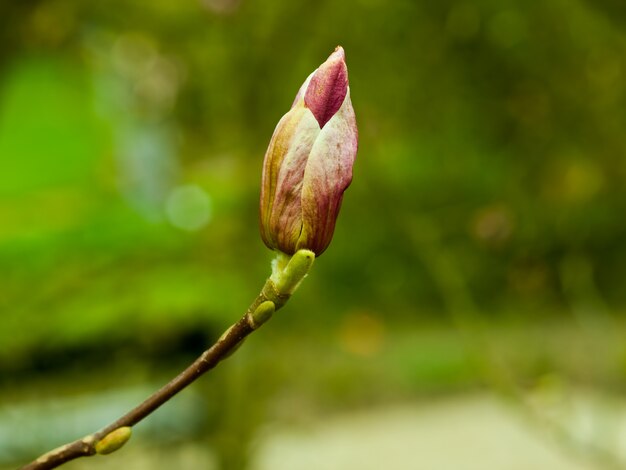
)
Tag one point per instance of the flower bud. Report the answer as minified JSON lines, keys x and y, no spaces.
{"x":308,"y":164}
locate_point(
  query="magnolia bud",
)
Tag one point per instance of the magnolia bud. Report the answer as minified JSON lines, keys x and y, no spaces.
{"x":308,"y":164}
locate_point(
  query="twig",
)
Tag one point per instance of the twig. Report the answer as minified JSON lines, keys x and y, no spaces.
{"x":277,"y":290}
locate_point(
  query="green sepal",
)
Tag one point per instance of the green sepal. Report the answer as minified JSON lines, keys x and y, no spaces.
{"x":287,"y":278}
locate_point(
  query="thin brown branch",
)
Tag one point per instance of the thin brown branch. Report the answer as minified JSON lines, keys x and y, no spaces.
{"x":287,"y":274}
{"x":223,"y":347}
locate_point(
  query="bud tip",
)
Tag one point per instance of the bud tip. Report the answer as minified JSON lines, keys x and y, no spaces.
{"x":328,"y":87}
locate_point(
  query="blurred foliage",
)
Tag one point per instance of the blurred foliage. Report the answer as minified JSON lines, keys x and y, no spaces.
{"x":489,"y":193}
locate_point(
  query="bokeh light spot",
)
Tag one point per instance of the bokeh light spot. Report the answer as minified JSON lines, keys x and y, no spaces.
{"x":188,"y":207}
{"x":362,"y":334}
{"x":493,"y":225}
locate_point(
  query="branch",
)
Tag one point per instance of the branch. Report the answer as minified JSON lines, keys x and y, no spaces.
{"x":287,"y":275}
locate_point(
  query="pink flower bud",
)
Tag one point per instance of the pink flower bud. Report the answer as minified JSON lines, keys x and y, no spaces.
{"x":308,"y":164}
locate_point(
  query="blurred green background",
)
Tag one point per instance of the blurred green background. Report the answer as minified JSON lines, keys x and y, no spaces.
{"x":480,"y":248}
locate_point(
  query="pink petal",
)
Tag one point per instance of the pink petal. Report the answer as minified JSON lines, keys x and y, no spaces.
{"x":328,"y":87}
{"x":283,"y":172}
{"x":327,"y":175}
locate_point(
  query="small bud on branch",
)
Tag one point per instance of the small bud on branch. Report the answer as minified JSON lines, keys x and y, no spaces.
{"x":113,"y":441}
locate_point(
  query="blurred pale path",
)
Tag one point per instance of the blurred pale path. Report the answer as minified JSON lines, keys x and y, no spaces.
{"x":466,"y":432}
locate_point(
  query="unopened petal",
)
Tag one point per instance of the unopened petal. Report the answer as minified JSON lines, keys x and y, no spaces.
{"x":283,"y":173}
{"x":328,"y":87}
{"x":327,"y":175}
